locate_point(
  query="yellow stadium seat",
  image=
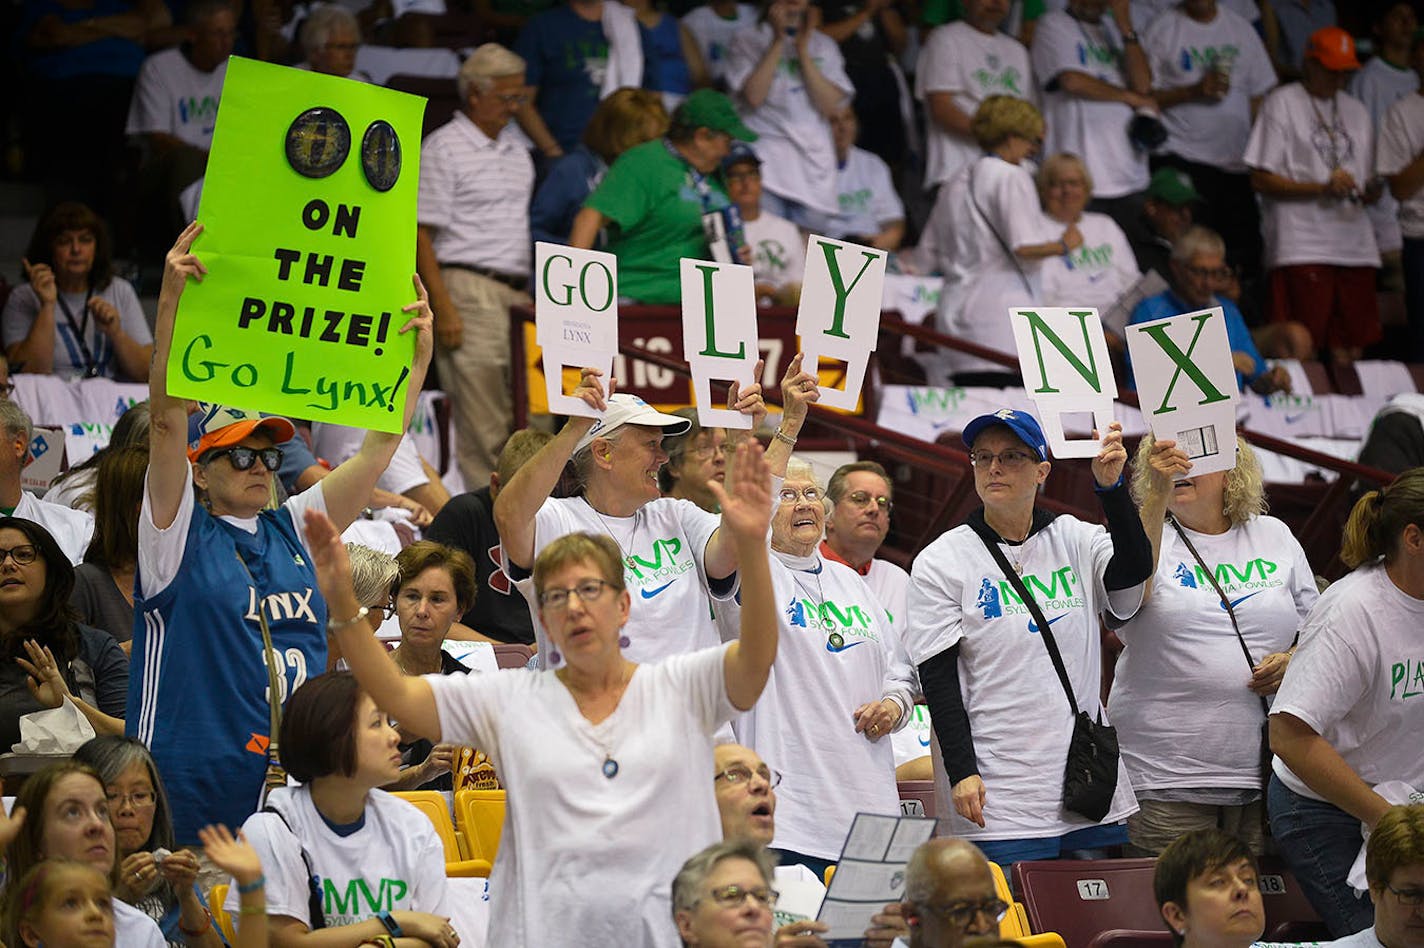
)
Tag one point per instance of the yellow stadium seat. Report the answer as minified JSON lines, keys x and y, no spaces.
{"x":432,"y":804}
{"x":216,"y":896}
{"x":479,"y":815}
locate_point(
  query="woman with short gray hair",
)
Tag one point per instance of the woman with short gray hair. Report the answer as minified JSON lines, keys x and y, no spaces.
{"x":723,"y":895}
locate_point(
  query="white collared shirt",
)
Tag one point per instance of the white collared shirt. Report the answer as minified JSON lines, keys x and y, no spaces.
{"x":474,"y":195}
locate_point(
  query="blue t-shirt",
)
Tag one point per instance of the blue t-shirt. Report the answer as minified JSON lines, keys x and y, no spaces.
{"x":557,"y":202}
{"x":1167,"y":303}
{"x":565,"y":56}
{"x":664,"y":68}
{"x":109,"y":56}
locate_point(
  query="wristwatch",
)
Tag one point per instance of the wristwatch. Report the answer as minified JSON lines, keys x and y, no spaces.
{"x":391,"y":924}
{"x":1130,"y":37}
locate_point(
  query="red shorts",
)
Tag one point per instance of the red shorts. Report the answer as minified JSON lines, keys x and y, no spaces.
{"x":1337,"y":304}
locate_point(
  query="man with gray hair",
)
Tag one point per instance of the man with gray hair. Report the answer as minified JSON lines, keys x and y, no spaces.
{"x":71,"y":529}
{"x":473,"y":250}
{"x":1198,"y":269}
{"x":949,"y":894}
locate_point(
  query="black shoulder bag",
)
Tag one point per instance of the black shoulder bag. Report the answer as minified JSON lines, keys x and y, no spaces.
{"x":1265,"y":752}
{"x":1090,"y":775}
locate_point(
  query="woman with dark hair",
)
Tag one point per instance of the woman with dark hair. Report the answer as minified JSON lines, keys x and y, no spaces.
{"x":155,"y":876}
{"x":340,"y":828}
{"x":1206,"y":889}
{"x":54,"y":657}
{"x":436,"y":586}
{"x":67,"y":817}
{"x":104,"y":582}
{"x":74,"y":317}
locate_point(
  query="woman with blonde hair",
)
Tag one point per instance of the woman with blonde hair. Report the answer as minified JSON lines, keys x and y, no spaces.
{"x":1343,"y":722}
{"x":626,"y":118}
{"x":1230,"y":588}
{"x":1002,"y":238}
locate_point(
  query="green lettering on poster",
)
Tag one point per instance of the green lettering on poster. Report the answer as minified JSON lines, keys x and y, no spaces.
{"x":308,"y":210}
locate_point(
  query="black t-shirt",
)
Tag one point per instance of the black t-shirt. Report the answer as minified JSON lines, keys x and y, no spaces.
{"x":104,"y":683}
{"x":467,"y":522}
{"x":865,"y":49}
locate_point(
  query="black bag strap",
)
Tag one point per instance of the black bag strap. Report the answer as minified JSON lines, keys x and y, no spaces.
{"x":1225,"y":602}
{"x":991,"y":540}
{"x":1003,"y":244}
{"x":314,"y":903}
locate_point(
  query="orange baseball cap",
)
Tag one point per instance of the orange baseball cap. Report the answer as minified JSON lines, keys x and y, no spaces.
{"x":222,"y":427}
{"x":1333,"y":48}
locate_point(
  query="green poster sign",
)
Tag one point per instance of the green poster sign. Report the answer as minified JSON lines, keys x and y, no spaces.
{"x":309,"y":215}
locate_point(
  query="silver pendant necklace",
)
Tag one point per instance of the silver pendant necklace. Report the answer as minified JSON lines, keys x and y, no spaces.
{"x":833,"y":638}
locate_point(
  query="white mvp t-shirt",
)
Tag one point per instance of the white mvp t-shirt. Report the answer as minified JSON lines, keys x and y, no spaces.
{"x":1018,"y":713}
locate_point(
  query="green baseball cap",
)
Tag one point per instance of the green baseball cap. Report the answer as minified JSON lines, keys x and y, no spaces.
{"x":707,"y":108}
{"x":1173,"y":186}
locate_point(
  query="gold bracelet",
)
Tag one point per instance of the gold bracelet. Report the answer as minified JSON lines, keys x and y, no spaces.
{"x":783,"y":437}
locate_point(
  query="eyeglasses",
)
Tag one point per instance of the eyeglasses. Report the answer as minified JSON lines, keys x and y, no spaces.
{"x":558,"y":599}
{"x":139,"y":799}
{"x":22,"y":555}
{"x":1008,"y":460}
{"x":789,"y":495}
{"x":1407,"y":896}
{"x":242,"y":459}
{"x":1208,"y":273}
{"x":863,"y":498}
{"x":734,"y":896}
{"x":515,"y":99}
{"x":961,"y":914}
{"x":739,"y":773}
{"x":750,"y":174}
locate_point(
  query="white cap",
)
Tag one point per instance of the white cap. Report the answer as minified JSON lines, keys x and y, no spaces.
{"x":624,"y":409}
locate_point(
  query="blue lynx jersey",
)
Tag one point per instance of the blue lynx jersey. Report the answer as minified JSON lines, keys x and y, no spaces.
{"x":198,"y":685}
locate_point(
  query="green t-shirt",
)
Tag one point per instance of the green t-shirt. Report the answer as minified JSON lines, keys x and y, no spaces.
{"x":651,"y":197}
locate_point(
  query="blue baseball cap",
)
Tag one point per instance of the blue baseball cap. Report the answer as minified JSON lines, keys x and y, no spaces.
{"x":740,"y":154}
{"x":1021,"y":423}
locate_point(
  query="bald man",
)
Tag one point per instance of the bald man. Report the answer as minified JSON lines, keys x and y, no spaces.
{"x":746,"y":800}
{"x":949,"y":895}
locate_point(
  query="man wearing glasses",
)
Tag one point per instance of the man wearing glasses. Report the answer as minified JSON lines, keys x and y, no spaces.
{"x":949,"y":895}
{"x":746,"y":801}
{"x":1198,"y":269}
{"x":856,"y":526}
{"x":1394,"y":867}
{"x":71,"y":529}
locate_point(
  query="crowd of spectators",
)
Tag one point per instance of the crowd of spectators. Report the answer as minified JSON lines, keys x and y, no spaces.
{"x":679,"y":586}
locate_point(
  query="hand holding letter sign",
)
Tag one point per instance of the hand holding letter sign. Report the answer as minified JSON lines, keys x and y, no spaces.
{"x":1186,"y":385}
{"x":839,"y":316}
{"x":1063,"y":356}
{"x":301,"y":314}
{"x":575,"y":317}
{"x":719,"y":335}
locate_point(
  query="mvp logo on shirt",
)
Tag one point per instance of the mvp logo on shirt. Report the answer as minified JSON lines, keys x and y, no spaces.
{"x":1009,"y":82}
{"x":1056,"y":591}
{"x":359,"y":902}
{"x":849,"y":621}
{"x":665,"y":564}
{"x":1253,"y":574}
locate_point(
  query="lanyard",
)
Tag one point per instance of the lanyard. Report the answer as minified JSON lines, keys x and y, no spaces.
{"x":1331,"y":127}
{"x":699,"y":180}
{"x":91,"y":367}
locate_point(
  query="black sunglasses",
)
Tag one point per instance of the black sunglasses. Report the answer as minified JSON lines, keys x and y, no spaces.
{"x":243,"y":458}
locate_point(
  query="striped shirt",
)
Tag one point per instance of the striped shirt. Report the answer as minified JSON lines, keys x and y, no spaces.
{"x":474,"y":196}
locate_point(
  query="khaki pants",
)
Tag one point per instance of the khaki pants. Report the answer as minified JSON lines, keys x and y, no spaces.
{"x":476,"y":376}
{"x":1157,"y":823}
